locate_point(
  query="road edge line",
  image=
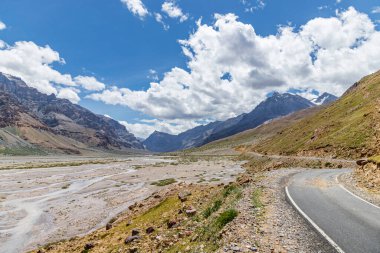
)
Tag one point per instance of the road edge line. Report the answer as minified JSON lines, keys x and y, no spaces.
{"x":312,"y":223}
{"x":358,"y":197}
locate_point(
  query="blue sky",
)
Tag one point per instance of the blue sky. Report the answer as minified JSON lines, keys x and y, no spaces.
{"x":128,"y":49}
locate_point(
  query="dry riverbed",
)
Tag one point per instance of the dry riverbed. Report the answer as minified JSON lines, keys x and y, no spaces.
{"x":43,"y":205}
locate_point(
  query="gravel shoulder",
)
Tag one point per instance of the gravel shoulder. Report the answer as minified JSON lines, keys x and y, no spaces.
{"x":273,"y":227}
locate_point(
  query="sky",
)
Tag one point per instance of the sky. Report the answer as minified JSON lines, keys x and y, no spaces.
{"x":170,"y":65}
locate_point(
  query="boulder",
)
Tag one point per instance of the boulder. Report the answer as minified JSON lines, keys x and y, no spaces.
{"x":89,"y":246}
{"x":149,"y":230}
{"x":182,"y":196}
{"x":130,"y":239}
{"x":361,"y":162}
{"x":135,"y":232}
{"x":171,"y":223}
{"x":191,"y":212}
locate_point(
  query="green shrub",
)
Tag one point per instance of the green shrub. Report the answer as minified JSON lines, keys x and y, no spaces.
{"x":215,"y":207}
{"x":226,"y":217}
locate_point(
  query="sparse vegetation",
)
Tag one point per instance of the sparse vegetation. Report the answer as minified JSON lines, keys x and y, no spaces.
{"x":164,"y":182}
{"x":256,"y":198}
{"x":210,"y":210}
{"x":226,"y":217}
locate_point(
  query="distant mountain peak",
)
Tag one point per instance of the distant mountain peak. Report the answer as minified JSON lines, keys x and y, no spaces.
{"x":325,"y":98}
{"x":277,"y":105}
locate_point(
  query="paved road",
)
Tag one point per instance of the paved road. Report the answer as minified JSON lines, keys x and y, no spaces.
{"x":349,"y":222}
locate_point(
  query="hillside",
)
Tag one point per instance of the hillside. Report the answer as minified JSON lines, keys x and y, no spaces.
{"x":255,"y":135}
{"x":32,"y":121}
{"x":275,"y":106}
{"x":348,"y":127}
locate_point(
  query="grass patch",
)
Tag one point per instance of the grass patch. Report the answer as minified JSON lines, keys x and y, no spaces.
{"x":226,"y":217}
{"x":212,"y":209}
{"x":375,"y":159}
{"x":164,"y":182}
{"x":256,"y":198}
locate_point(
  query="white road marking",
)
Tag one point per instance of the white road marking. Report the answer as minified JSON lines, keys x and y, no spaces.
{"x":353,"y":194}
{"x":331,"y":241}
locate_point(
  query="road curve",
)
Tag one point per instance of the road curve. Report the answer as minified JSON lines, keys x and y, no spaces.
{"x":347,"y":221}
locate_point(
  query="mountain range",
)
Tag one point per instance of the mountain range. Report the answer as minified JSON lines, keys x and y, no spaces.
{"x":277,"y":105}
{"x":35,"y":121}
{"x":349,"y":127}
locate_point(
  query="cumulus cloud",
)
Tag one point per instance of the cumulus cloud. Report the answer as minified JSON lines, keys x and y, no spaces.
{"x":174,"y":11}
{"x":33,"y":64}
{"x":2,"y":26}
{"x":137,"y":7}
{"x":90,"y":83}
{"x":69,"y":94}
{"x":326,"y":54}
{"x":146,"y":127}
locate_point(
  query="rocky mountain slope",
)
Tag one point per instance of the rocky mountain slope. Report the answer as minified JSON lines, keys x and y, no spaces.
{"x":325,"y":98}
{"x":49,"y":122}
{"x":273,"y":107}
{"x":349,"y":127}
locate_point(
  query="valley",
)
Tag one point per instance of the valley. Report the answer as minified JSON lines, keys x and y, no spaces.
{"x":42,"y":205}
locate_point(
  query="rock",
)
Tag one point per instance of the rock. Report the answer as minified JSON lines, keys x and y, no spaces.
{"x":130,"y":239}
{"x":183,"y":196}
{"x":235,"y":249}
{"x":89,"y":246}
{"x":191,"y":211}
{"x":128,"y":223}
{"x":361,"y":162}
{"x":108,"y":226}
{"x":157,"y":196}
{"x":171,"y":223}
{"x":149,"y":230}
{"x":135,"y":232}
{"x":133,"y":250}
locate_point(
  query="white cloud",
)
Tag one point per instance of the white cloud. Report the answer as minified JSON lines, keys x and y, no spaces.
{"x":33,"y":64}
{"x":2,"y":26}
{"x":89,"y":83}
{"x":146,"y":127}
{"x":174,"y":11}
{"x":160,"y":20}
{"x":338,"y":1}
{"x":70,"y":94}
{"x":376,"y":9}
{"x":326,"y":54}
{"x":137,"y":7}
{"x":251,"y":7}
{"x":153,"y":75}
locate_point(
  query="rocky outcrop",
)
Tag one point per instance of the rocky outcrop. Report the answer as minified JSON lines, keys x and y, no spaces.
{"x":367,"y":174}
{"x":60,"y":116}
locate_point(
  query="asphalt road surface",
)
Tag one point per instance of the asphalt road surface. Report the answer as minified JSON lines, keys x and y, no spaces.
{"x":350,"y":224}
